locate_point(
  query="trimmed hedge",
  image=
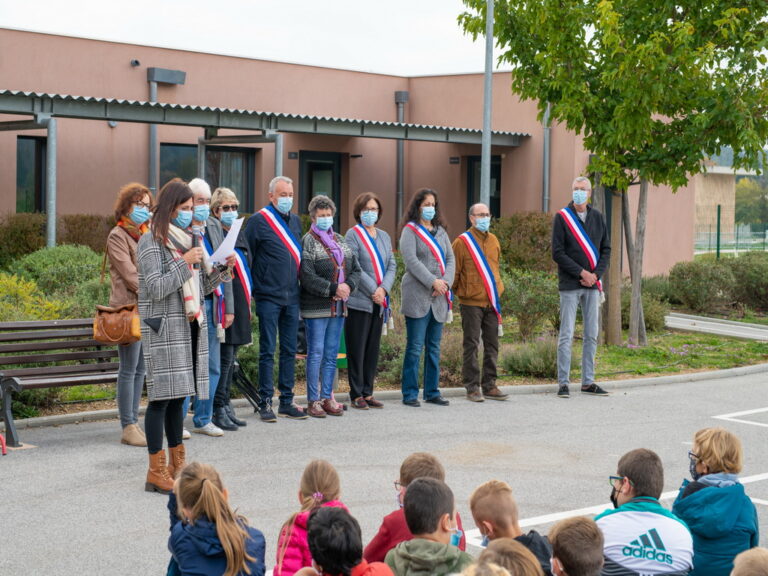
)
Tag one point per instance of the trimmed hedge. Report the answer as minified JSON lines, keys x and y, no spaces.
{"x":702,"y":286}
{"x":750,"y":272}
{"x":526,"y":241}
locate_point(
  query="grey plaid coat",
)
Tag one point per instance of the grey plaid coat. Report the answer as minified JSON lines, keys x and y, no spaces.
{"x":167,"y":349}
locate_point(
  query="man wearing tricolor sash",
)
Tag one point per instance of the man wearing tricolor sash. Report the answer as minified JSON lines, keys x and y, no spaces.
{"x":581,"y":248}
{"x":273,"y":236}
{"x":478,"y":285}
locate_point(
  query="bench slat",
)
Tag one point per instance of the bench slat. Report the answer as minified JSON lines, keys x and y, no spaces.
{"x":57,"y":357}
{"x":101,"y":378}
{"x":46,"y":334}
{"x":44,"y":324}
{"x":54,"y":345}
{"x":54,"y":371}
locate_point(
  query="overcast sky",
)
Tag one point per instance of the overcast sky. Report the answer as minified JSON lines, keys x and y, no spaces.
{"x":402,"y":37}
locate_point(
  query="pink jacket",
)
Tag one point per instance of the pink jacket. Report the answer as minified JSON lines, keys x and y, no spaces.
{"x":294,"y":555}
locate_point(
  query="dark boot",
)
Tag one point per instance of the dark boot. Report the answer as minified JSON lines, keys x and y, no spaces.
{"x":221,"y":420}
{"x":231,"y":414}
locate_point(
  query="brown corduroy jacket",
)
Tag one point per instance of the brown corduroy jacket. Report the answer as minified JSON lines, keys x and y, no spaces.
{"x":468,"y":284}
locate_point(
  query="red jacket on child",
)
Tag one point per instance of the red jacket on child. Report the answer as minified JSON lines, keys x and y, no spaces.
{"x":394,"y":530}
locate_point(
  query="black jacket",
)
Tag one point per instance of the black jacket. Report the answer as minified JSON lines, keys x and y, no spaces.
{"x":540,"y":547}
{"x":274,"y":272}
{"x":568,"y":254}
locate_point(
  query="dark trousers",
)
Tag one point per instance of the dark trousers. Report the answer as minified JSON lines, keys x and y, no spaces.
{"x":362,"y":333}
{"x":169,"y":414}
{"x":277,"y":319}
{"x":479,"y":322}
{"x":228,"y":355}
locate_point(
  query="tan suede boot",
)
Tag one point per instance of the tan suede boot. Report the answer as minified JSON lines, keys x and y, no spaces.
{"x":176,"y":459}
{"x":158,"y":478}
{"x":133,"y":436}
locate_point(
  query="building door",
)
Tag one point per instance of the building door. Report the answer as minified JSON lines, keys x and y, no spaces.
{"x":30,"y":174}
{"x":473,"y":184}
{"x":320,"y":173}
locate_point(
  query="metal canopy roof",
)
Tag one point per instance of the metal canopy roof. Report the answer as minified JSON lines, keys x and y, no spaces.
{"x":90,"y":108}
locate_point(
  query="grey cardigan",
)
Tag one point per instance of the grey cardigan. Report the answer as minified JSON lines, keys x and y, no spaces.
{"x":361,"y":298}
{"x":421,"y":270}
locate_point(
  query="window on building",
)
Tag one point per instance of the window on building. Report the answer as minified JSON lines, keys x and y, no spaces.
{"x":473,"y":183}
{"x":231,"y":168}
{"x":30,"y":174}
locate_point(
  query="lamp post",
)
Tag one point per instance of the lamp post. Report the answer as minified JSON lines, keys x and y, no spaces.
{"x":485,"y":158}
{"x":157,"y":76}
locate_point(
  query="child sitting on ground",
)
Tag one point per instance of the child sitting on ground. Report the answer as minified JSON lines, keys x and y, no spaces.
{"x":320,"y":486}
{"x":577,"y":547}
{"x":207,"y":537}
{"x":495,"y":512}
{"x":511,"y":555}
{"x":431,"y":518}
{"x":393,"y":528}
{"x":336,"y":544}
{"x":752,"y":562}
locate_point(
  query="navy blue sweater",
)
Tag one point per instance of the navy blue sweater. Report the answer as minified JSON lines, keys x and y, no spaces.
{"x":273,"y":270}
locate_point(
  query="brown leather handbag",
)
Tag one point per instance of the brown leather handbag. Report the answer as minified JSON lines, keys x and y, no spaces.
{"x":120,"y":325}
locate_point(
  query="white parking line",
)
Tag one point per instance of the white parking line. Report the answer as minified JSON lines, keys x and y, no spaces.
{"x":474,"y":537}
{"x":733,"y":417}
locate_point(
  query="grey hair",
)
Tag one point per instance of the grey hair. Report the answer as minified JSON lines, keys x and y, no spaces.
{"x":321,"y":202}
{"x":199,"y":186}
{"x":582,"y":179}
{"x":472,"y":208}
{"x":275,"y":180}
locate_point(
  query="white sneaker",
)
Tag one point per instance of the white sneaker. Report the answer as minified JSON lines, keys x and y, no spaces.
{"x":185,"y":435}
{"x":209,"y":429}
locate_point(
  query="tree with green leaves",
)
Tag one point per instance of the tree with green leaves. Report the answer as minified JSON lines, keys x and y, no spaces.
{"x":751,"y":202}
{"x":654,"y":87}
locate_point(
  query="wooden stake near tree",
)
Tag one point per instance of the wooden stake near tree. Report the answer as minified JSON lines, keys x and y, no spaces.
{"x":654,"y":88}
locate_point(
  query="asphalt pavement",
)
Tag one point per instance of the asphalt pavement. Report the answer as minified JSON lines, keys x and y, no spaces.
{"x":73,"y":499}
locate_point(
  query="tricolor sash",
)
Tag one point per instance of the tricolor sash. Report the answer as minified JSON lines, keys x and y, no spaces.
{"x":576,"y":226}
{"x":485,"y":273}
{"x":283,"y":232}
{"x":378,"y":269}
{"x":219,"y":292}
{"x":437,"y":252}
{"x":244,"y":273}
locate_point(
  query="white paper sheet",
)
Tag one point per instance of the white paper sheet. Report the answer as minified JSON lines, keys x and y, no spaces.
{"x":228,"y":246}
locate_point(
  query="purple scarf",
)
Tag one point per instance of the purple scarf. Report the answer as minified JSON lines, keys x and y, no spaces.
{"x":329,"y":241}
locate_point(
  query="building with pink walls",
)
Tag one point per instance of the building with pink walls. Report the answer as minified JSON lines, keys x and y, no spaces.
{"x":95,"y":157}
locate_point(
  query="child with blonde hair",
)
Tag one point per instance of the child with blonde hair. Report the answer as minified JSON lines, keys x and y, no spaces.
{"x":207,"y":536}
{"x":721,"y":517}
{"x":511,"y":555}
{"x":320,"y":486}
{"x":494,"y":510}
{"x":752,"y":562}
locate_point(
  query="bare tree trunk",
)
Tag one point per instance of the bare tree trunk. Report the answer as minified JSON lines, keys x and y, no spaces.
{"x":636,"y":316}
{"x":636,"y":308}
{"x":613,"y":329}
{"x":598,"y":202}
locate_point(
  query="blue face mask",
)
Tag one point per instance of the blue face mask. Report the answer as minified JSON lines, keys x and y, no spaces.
{"x":369,"y":217}
{"x":692,"y":468}
{"x":139,"y":215}
{"x":580,"y":196}
{"x":284,"y":204}
{"x":324,"y":222}
{"x":227,"y":218}
{"x":427,"y":213}
{"x":456,"y":537}
{"x":202,"y":212}
{"x":485,"y":541}
{"x":483,"y":224}
{"x":183,"y":219}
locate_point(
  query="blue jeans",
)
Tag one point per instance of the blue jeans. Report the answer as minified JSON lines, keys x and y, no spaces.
{"x":323,"y":338}
{"x":589,"y":299}
{"x":130,"y":382}
{"x":422,"y":334}
{"x":204,"y":408}
{"x":274,"y":318}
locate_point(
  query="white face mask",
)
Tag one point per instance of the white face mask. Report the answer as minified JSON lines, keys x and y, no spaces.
{"x":580,"y":196}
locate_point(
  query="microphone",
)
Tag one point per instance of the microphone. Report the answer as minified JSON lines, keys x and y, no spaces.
{"x":196,"y":230}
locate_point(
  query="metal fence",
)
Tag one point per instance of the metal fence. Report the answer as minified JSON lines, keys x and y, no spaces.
{"x":739,"y":238}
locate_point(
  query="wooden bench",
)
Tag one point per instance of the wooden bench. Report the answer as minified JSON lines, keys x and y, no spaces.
{"x":50,"y":354}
